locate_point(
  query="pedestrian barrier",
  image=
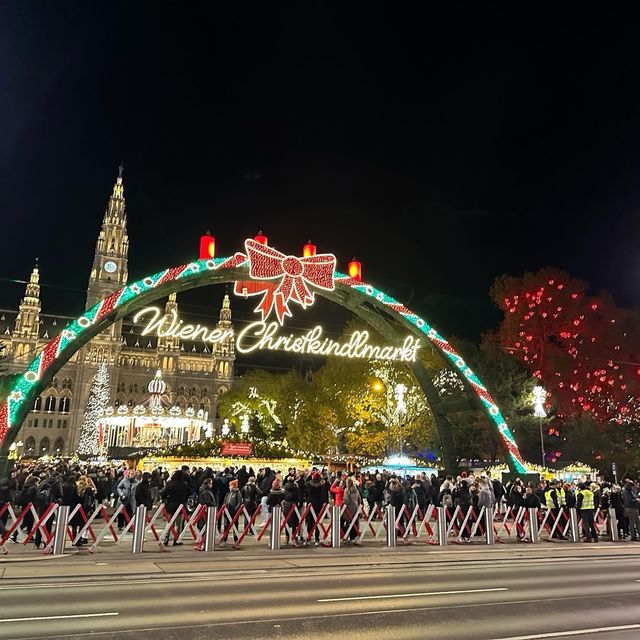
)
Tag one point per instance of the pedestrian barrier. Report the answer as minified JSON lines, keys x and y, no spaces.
{"x":56,"y":526}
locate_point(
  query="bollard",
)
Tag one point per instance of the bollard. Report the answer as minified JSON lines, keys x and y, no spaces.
{"x":391,"y":526}
{"x":613,"y":526}
{"x":139,"y":527}
{"x":533,"y":525}
{"x":276,"y":522}
{"x":442,"y":526}
{"x":575,"y":525}
{"x":488,"y":526}
{"x":59,"y":536}
{"x":336,"y":531}
{"x":210,"y":529}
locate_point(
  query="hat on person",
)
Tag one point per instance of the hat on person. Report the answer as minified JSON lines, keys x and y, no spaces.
{"x":275,"y":484}
{"x":316,"y":475}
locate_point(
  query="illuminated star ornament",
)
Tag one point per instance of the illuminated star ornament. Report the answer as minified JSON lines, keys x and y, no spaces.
{"x":296,"y":277}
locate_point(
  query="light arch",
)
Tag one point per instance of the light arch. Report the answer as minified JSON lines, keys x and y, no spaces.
{"x":199,"y":273}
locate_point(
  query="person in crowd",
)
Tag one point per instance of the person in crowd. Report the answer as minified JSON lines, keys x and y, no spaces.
{"x":586,"y":508}
{"x":630,"y":502}
{"x":462,"y":499}
{"x":125,"y":497}
{"x":555,"y":500}
{"x":251,"y":496}
{"x":617,"y":505}
{"x":5,"y":502}
{"x":318,"y":496}
{"x":142,"y":491}
{"x":48,"y":492}
{"x":242,"y":476}
{"x":232,"y":503}
{"x":291,"y":501}
{"x":175,"y":496}
{"x":352,"y":500}
{"x":395,"y":498}
{"x":86,"y":492}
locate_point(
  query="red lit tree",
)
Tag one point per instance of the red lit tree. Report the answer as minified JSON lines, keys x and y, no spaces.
{"x":584,"y":349}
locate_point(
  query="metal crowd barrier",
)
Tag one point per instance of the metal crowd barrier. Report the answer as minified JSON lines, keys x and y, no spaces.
{"x":331,"y":525}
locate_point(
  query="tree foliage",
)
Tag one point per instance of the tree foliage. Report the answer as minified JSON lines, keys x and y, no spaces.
{"x":583,"y":348}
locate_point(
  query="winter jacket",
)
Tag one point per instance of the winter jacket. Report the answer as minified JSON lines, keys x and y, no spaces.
{"x":206,"y":497}
{"x":629,"y":499}
{"x":395,"y":496}
{"x":462,"y":496}
{"x":317,"y":494}
{"x":352,"y":499}
{"x":143,"y":494}
{"x":176,"y":493}
{"x":338,"y":493}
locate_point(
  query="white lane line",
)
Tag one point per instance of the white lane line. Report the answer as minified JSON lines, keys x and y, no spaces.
{"x":413,"y":595}
{"x":575,"y":632}
{"x":67,"y":617}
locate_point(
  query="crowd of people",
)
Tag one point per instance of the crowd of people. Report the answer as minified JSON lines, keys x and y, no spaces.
{"x":310,"y":490}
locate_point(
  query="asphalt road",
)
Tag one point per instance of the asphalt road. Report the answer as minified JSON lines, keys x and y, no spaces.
{"x":515,"y":599}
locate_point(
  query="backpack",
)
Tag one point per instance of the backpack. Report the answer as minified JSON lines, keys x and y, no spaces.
{"x":44,"y":494}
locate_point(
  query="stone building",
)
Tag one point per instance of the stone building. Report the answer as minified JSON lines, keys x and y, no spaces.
{"x":196,"y":373}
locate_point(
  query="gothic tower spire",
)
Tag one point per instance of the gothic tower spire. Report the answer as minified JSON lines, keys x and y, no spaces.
{"x":109,"y":271}
{"x":27,"y":326}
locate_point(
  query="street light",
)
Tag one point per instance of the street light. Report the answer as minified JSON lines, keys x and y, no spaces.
{"x":539,"y":397}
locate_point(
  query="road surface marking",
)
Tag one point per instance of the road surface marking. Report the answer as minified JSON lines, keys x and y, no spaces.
{"x":67,"y":617}
{"x":413,"y":595}
{"x":576,"y":632}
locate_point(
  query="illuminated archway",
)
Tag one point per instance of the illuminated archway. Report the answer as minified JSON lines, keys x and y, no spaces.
{"x":348,"y":292}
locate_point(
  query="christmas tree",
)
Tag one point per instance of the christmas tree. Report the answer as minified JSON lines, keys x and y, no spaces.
{"x":96,"y":405}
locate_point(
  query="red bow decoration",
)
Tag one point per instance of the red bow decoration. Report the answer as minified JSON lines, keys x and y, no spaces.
{"x":295,"y":274}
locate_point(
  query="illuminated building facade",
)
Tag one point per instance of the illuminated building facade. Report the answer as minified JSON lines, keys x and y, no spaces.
{"x":195,"y":373}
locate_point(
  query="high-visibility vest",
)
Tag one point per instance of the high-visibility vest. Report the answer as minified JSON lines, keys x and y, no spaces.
{"x":587,"y":499}
{"x":562,"y":499}
{"x":548,"y":498}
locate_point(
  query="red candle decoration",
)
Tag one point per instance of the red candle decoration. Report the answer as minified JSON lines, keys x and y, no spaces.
{"x":261,"y":239}
{"x":207,"y":246}
{"x":309,"y":250}
{"x":355,"y":270}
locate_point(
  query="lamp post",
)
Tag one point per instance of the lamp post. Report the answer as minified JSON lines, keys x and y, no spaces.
{"x":401,"y":409}
{"x":539,"y":397}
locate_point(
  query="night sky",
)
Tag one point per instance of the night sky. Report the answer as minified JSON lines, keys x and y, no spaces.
{"x":440,"y":148}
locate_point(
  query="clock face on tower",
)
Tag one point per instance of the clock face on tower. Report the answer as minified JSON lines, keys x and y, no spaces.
{"x":110,"y":266}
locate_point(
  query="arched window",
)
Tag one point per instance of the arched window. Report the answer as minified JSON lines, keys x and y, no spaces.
{"x":50,"y":403}
{"x":120,"y":387}
{"x":64,"y":405}
{"x":67,"y":383}
{"x":54,"y":383}
{"x":37,"y":406}
{"x":204,"y":392}
{"x":30,"y":446}
{"x":58,"y":446}
{"x":193,"y":391}
{"x":133,"y":388}
{"x":45,"y":445}
{"x":182,"y":390}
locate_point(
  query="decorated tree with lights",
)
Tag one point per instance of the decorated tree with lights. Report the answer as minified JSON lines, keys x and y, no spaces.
{"x":584,"y":349}
{"x":96,"y":405}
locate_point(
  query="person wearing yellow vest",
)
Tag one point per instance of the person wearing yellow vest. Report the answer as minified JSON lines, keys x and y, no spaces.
{"x":554,"y":498}
{"x":586,"y":508}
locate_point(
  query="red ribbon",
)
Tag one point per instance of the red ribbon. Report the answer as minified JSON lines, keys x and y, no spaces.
{"x":296,"y":275}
